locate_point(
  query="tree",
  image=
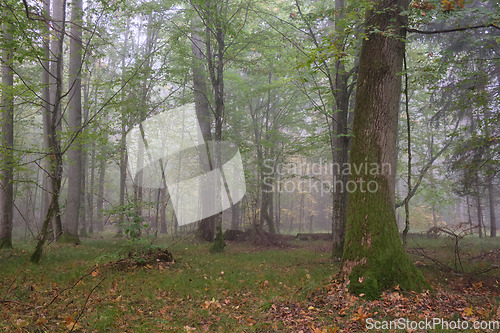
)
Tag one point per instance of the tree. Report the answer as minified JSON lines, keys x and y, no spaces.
{"x":7,"y":142}
{"x":374,"y":258}
{"x":217,"y":22}
{"x":340,"y":138}
{"x":75,"y":126}
{"x":123,"y":134}
{"x":206,"y":229}
{"x":334,"y":60}
{"x":52,"y":123}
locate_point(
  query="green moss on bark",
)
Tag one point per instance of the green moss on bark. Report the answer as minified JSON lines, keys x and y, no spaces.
{"x":374,"y":257}
{"x":219,"y":243}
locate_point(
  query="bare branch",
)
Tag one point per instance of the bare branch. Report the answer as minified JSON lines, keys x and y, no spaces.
{"x":432,"y":32}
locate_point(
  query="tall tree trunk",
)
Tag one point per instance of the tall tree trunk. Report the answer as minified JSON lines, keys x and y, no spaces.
{"x":266,"y":174}
{"x":491,"y":199}
{"x":51,"y":124}
{"x":277,"y":212}
{"x":374,"y":258}
{"x":75,"y":126}
{"x":138,"y":183}
{"x":88,"y":175}
{"x":267,"y":203}
{"x":469,"y":216}
{"x":163,"y":210}
{"x":434,"y":216}
{"x":216,"y":73}
{"x":479,"y":211}
{"x":235,"y":216}
{"x":138,"y":195}
{"x":206,"y":229}
{"x":54,"y":158}
{"x":100,"y":194}
{"x":123,"y":133}
{"x":340,"y":142}
{"x":46,"y":107}
{"x":7,"y":144}
{"x":90,"y":193}
{"x":83,"y":224}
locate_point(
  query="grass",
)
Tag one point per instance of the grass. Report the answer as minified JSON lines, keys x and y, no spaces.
{"x":243,"y":289}
{"x":221,"y":292}
{"x":469,"y":248}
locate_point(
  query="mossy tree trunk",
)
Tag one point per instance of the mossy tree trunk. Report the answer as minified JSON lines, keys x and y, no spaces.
{"x":374,"y":258}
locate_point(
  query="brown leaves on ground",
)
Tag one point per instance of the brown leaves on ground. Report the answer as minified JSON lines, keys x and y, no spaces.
{"x":333,"y":309}
{"x":327,"y":309}
{"x":127,"y":300}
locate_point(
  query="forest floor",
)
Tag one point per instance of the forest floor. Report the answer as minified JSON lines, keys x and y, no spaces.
{"x":95,"y":287}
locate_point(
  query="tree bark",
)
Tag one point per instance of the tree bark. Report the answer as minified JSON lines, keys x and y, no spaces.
{"x":83,"y":223}
{"x":90,"y":192}
{"x":163,"y":211}
{"x":215,"y":62}
{"x":100,"y":194}
{"x":469,"y":216}
{"x":46,"y":107}
{"x":123,"y":133}
{"x":51,"y":125}
{"x":54,"y":157}
{"x":87,"y":174}
{"x":75,"y":126}
{"x":491,"y":198}
{"x":266,"y":173}
{"x":479,"y":210}
{"x":341,"y":141}
{"x":206,"y":228}
{"x":374,"y":258}
{"x":7,"y":144}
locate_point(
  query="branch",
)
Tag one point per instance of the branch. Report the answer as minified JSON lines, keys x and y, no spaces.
{"x":426,"y":168}
{"x":432,"y":32}
{"x":423,"y":173}
{"x":85,"y":304}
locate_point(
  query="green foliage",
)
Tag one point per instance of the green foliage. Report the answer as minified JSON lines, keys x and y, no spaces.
{"x":127,"y":218}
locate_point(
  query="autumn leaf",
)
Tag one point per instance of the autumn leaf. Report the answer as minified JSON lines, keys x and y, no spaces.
{"x":469,"y":312}
{"x":360,"y":315}
{"x":478,"y":285}
{"x":318,"y":330}
{"x":211,"y":304}
{"x":251,"y":321}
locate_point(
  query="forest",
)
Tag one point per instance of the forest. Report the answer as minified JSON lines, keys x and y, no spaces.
{"x":249,"y":166}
